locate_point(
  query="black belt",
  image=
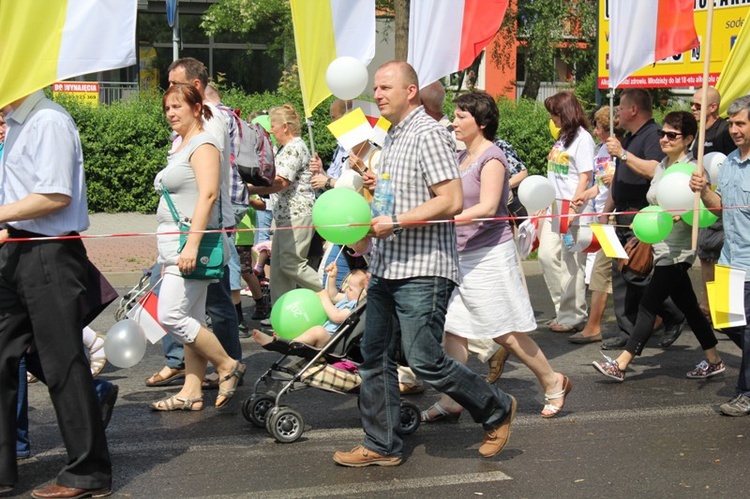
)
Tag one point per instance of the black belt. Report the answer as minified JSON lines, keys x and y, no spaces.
{"x":18,"y":233}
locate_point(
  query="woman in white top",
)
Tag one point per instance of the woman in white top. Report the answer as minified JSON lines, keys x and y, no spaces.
{"x":192,"y":180}
{"x":569,"y":167}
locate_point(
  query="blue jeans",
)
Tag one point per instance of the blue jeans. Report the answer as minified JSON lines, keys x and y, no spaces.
{"x":418,"y":305}
{"x":263,"y":225}
{"x":224,"y":324}
{"x":23,"y":445}
{"x":742,"y":335}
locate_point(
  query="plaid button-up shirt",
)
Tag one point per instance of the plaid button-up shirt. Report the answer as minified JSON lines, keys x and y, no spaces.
{"x":418,"y":154}
{"x":237,"y":189}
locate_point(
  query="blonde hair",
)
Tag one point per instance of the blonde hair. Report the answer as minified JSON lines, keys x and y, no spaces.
{"x":287,"y":115}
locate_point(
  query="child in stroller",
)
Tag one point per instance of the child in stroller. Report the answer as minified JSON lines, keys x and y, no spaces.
{"x":331,"y":366}
{"x":337,"y":305}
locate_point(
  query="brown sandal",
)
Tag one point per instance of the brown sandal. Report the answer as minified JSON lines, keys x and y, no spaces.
{"x":157,"y":379}
{"x":227,"y":393}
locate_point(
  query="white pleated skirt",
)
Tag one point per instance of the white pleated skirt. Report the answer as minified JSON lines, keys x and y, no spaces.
{"x":492,"y":299}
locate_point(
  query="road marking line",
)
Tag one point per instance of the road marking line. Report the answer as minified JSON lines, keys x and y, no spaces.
{"x":357,"y":489}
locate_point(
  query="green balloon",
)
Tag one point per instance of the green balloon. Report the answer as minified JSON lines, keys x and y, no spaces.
{"x":295,"y":312}
{"x":705,"y":217}
{"x":652,"y":224}
{"x":680,"y":167}
{"x":341,"y":207}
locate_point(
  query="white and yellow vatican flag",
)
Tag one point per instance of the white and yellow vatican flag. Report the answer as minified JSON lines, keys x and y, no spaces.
{"x":44,"y":41}
{"x":726,"y":297}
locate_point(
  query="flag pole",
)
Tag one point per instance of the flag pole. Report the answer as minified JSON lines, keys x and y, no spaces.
{"x":702,"y":125}
{"x":310,"y":133}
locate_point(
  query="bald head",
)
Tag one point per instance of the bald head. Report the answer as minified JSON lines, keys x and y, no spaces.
{"x":432,"y":97}
{"x":405,"y":72}
{"x":396,"y":90}
{"x":712,"y":103}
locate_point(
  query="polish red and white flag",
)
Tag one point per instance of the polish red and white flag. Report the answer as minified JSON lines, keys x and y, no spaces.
{"x":646,"y":31}
{"x":446,"y":36}
{"x":145,"y":313}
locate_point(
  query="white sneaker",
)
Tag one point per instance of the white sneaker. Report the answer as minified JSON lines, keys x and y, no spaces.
{"x":266,"y":322}
{"x":246,"y":292}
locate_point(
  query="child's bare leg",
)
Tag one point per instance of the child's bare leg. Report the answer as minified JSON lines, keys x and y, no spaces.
{"x":316,"y":336}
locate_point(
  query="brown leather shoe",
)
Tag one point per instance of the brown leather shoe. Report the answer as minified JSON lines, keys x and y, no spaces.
{"x":495,"y":440}
{"x":360,"y":456}
{"x":497,"y":364}
{"x":58,"y":491}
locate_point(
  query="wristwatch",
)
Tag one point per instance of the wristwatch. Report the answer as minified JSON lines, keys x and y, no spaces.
{"x":397,"y":229}
{"x":328,"y":184}
{"x":624,"y":156}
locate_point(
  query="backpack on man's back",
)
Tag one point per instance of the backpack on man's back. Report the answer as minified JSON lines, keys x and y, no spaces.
{"x":254,"y":160}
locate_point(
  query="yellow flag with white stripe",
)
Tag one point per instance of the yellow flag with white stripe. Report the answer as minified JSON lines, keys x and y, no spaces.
{"x":325,"y":30}
{"x":726,"y":297}
{"x":44,"y":41}
{"x":734,"y":80}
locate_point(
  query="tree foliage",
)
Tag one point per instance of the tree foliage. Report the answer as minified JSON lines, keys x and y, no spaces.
{"x":270,"y":20}
{"x":547,"y":29}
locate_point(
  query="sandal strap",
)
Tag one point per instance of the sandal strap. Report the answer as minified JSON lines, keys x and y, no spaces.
{"x":554,"y":396}
{"x":551,"y":408}
{"x":439,"y":408}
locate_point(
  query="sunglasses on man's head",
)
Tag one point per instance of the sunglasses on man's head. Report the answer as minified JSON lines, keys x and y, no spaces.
{"x":669,"y":135}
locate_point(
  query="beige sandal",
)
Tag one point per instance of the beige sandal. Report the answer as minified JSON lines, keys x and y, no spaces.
{"x":97,"y":362}
{"x":553,"y":410}
{"x":175,"y":403}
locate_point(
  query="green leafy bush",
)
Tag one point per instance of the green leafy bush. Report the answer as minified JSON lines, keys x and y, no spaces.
{"x":124,"y":145}
{"x":525,"y":124}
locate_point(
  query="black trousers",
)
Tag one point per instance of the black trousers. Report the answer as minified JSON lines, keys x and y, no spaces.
{"x":41,"y":284}
{"x":627,"y":292}
{"x":672,"y":281}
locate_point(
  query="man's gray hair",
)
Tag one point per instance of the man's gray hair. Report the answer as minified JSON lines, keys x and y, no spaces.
{"x":738,"y":105}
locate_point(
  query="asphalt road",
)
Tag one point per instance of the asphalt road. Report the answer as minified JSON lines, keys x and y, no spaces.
{"x":656,"y":435}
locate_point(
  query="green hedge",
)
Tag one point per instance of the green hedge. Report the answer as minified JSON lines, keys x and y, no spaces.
{"x":125,"y":143}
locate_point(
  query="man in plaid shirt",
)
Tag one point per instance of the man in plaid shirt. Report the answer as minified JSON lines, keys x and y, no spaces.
{"x":414,"y":269}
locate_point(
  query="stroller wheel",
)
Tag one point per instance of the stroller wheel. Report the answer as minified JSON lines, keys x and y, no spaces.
{"x":286,"y":425}
{"x":409,"y":418}
{"x":255,"y":409}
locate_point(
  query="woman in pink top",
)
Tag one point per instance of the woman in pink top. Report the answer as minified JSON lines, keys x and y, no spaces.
{"x":491,"y":301}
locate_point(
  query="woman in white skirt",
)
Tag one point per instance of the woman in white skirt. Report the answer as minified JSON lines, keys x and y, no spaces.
{"x":492,"y":301}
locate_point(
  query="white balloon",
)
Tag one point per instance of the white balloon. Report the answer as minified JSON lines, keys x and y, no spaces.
{"x":711,"y":163}
{"x":674,"y":193}
{"x":125,"y":344}
{"x":536,"y":193}
{"x":349,"y":179}
{"x":346,"y":77}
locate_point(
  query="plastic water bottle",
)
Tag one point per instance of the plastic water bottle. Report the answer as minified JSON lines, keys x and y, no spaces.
{"x":568,"y":240}
{"x":383,"y":202}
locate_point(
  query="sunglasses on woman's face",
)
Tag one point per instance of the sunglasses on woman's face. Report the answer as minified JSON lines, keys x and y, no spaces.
{"x":668,"y":135}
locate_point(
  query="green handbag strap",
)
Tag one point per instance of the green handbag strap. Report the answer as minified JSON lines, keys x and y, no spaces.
{"x":176,"y":214}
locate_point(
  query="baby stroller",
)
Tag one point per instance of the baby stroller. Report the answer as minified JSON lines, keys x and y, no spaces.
{"x":131,"y":298}
{"x":264,"y":409}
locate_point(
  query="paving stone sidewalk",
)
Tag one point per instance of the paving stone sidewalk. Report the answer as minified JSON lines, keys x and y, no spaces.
{"x":122,"y":259}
